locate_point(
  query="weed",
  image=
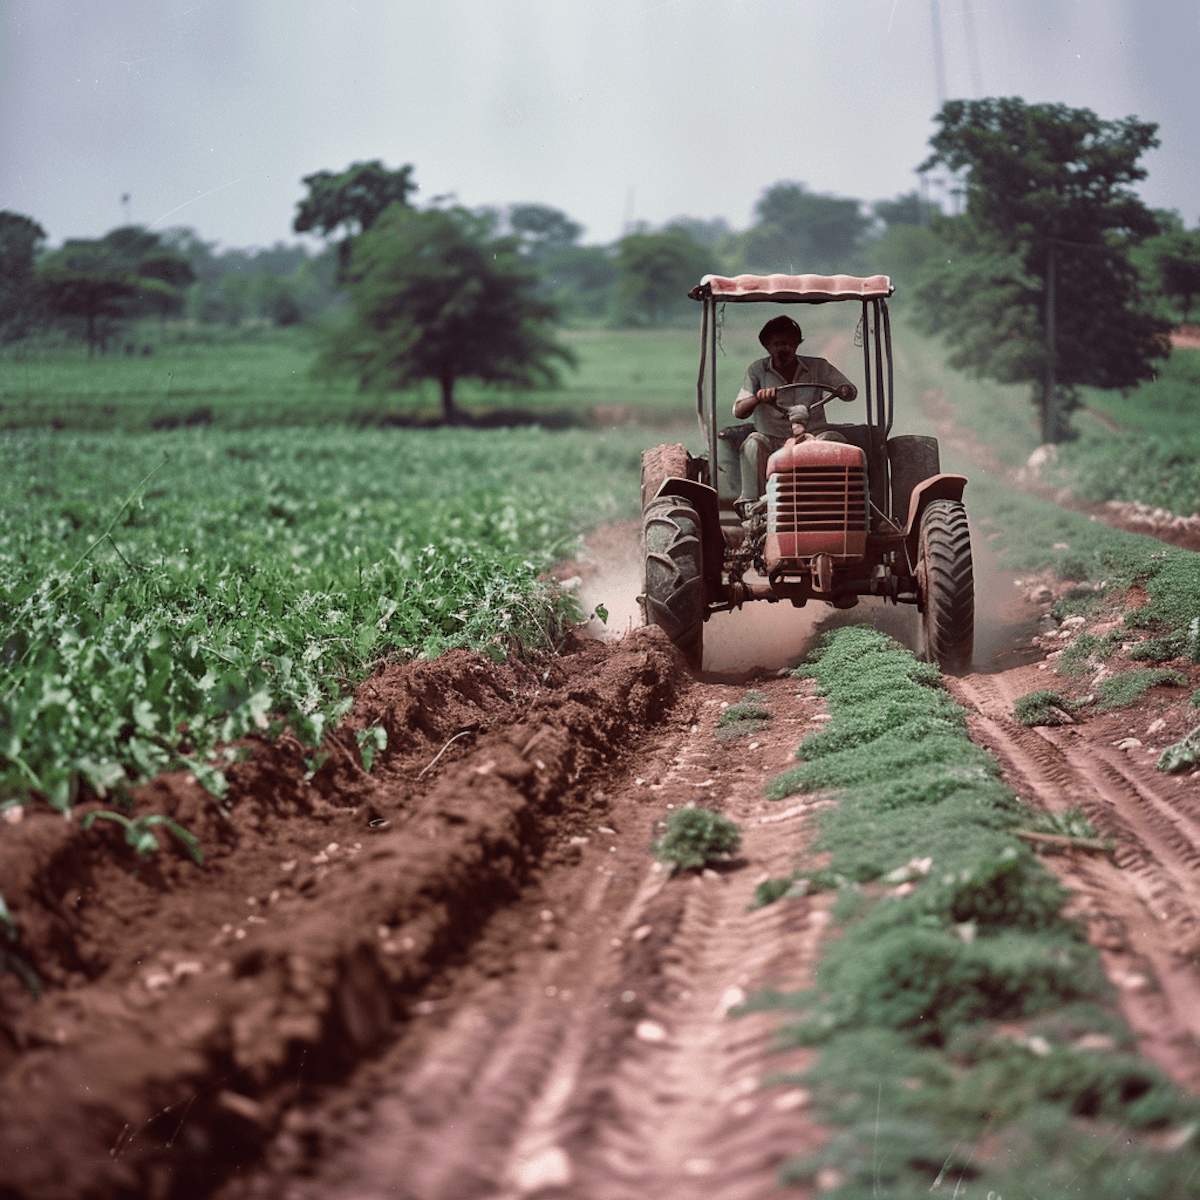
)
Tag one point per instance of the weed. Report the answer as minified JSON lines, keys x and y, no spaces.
{"x":1045,"y":707}
{"x":1072,"y":822}
{"x":370,"y":742}
{"x":749,"y":715}
{"x":1120,"y":690}
{"x":695,"y":837}
{"x":139,"y":832}
{"x":1182,"y":755}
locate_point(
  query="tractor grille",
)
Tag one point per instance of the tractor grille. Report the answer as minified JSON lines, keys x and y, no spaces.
{"x":817,"y":500}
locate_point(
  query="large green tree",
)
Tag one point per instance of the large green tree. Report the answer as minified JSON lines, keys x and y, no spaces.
{"x":1037,"y":285}
{"x":436,"y":296}
{"x":799,"y":231}
{"x":21,"y":240}
{"x":655,"y":272}
{"x":127,"y":273}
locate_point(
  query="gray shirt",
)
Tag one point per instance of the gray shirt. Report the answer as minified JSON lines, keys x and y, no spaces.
{"x":761,"y":374}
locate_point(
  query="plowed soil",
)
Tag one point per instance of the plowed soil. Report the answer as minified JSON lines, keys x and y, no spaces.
{"x":464,"y":974}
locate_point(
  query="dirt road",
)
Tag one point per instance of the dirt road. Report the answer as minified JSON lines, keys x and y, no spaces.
{"x":463,"y":974}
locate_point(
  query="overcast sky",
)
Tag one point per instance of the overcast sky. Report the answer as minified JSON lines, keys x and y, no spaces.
{"x":208,"y":112}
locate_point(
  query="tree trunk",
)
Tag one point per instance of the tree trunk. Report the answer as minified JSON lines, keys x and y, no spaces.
{"x":450,"y":414}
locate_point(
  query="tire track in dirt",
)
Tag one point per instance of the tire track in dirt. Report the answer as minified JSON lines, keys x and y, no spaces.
{"x":606,"y":1065}
{"x":1142,"y":908}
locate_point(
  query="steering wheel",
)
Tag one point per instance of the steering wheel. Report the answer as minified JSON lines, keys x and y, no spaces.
{"x":818,"y":404}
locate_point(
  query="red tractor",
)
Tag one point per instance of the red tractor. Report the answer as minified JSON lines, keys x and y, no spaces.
{"x":868,"y":516}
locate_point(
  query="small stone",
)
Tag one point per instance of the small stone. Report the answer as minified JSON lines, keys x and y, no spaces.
{"x":650,"y":1031}
{"x":642,"y":931}
{"x":792,"y":1098}
{"x":551,"y":1168}
{"x":1156,"y":726}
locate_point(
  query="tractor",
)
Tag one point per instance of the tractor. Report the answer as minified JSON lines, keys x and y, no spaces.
{"x":868,"y":516}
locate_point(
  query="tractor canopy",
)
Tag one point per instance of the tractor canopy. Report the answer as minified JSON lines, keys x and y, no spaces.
{"x":791,"y":289}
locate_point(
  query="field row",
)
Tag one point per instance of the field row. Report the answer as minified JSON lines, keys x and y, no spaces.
{"x":163,"y":595}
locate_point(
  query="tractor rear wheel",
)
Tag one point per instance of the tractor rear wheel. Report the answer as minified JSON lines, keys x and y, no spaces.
{"x":947,"y":583}
{"x":674,"y":592}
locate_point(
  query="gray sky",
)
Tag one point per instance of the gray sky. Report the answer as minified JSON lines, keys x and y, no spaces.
{"x":208,"y":112}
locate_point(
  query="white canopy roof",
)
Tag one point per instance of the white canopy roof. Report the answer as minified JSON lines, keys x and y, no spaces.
{"x":784,"y":289}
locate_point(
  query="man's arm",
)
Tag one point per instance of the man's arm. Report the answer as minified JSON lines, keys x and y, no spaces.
{"x":823,"y":371}
{"x":747,"y":398}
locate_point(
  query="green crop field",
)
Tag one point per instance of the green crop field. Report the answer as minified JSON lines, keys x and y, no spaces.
{"x":251,"y":578}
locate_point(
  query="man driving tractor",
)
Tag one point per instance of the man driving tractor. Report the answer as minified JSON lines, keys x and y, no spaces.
{"x":780,"y":337}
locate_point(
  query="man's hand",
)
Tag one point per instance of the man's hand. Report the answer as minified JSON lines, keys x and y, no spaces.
{"x":847,"y":392}
{"x":766,"y":395}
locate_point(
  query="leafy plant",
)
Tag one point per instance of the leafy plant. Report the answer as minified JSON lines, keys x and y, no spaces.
{"x":370,"y":742}
{"x":695,"y":837}
{"x":1120,"y":690}
{"x":139,"y":832}
{"x":1181,"y":755}
{"x":1045,"y":707}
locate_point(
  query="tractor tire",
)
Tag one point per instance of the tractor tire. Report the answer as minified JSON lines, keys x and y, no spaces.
{"x":663,"y":462}
{"x":947,"y":582}
{"x":674,"y":593}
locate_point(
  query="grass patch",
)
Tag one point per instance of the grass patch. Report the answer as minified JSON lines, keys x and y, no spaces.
{"x":696,"y":837}
{"x":961,"y":929}
{"x":1045,"y":707}
{"x":749,"y":715}
{"x":1120,"y":690}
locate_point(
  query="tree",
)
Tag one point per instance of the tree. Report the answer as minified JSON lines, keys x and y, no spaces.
{"x":1176,"y":258}
{"x":542,"y":230}
{"x":1040,"y":287}
{"x":799,"y":231}
{"x":435,"y":296}
{"x":127,"y":273}
{"x":21,"y":240}
{"x":655,"y":272}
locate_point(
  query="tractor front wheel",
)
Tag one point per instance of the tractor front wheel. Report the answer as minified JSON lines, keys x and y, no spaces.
{"x":674,"y":592}
{"x":947,"y":583}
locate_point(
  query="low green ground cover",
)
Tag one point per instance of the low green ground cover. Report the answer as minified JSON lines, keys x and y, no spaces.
{"x":951,"y":925}
{"x":695,"y":837}
{"x":748,"y":716}
{"x":253,"y":577}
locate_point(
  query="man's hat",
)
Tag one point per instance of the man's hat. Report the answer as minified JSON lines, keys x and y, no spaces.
{"x":777,"y":325}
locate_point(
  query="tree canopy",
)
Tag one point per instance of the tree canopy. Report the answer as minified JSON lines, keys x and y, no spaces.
{"x":435,"y":296}
{"x":21,"y":239}
{"x":655,"y":272}
{"x":800,"y":231}
{"x":352,"y":200}
{"x":1050,"y":215}
{"x":126,"y":273}
{"x":1176,"y":258}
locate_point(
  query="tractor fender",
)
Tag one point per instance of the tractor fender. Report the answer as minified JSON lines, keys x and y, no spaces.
{"x":704,"y":500}
{"x":936,"y":487}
